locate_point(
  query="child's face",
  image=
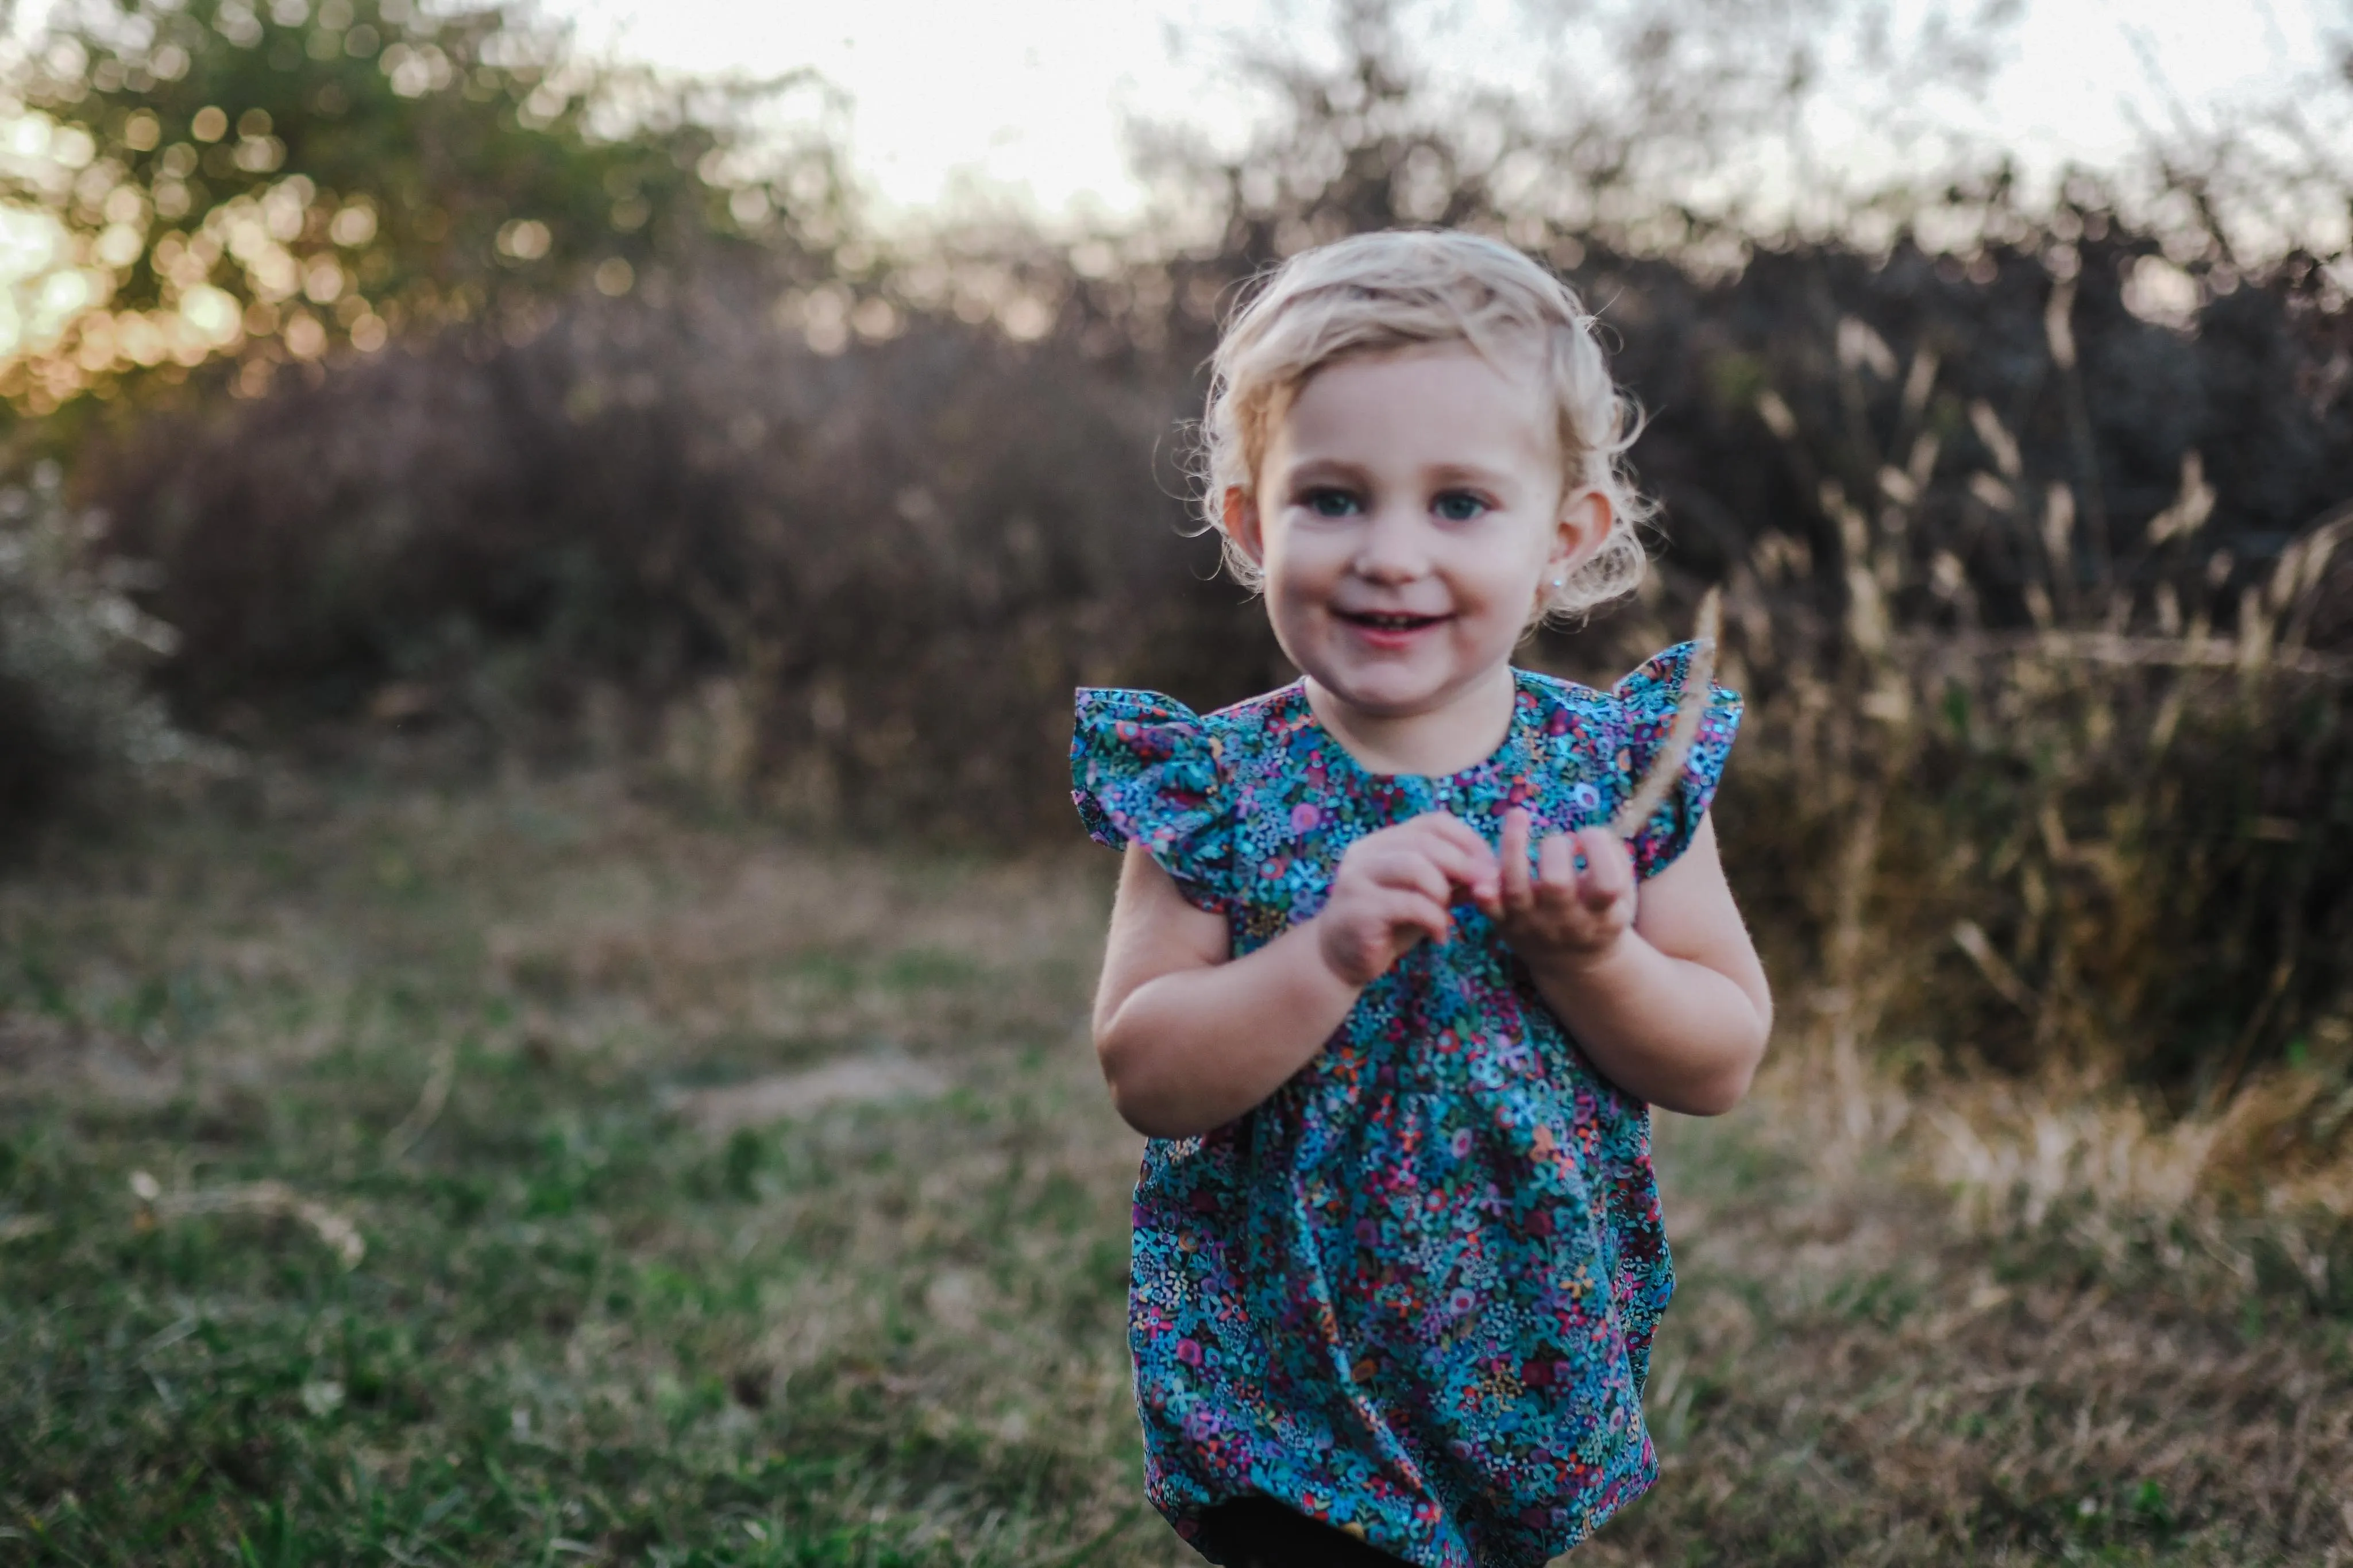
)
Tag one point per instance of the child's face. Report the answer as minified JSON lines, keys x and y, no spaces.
{"x":1409,"y":509}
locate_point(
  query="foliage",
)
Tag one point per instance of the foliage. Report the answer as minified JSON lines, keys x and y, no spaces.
{"x":278,"y":182}
{"x":2046,"y":763}
{"x":75,"y":716}
{"x":884,"y":570}
{"x":2094,"y":845}
{"x":864,"y":593}
{"x":838,"y":544}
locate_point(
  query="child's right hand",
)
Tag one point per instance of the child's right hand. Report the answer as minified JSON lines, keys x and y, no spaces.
{"x":1393,"y":890}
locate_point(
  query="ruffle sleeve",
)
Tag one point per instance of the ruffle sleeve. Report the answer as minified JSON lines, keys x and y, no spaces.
{"x":1144,"y":770}
{"x":1647,"y":700}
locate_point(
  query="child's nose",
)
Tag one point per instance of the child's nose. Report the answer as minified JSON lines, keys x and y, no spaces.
{"x":1390,"y":549}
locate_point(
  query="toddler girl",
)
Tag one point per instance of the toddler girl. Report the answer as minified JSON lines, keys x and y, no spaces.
{"x":1389,"y":1002}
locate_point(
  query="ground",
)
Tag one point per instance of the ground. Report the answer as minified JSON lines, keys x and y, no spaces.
{"x":533,"y":1173}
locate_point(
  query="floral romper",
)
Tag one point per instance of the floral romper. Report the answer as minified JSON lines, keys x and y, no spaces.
{"x":1410,"y":1294}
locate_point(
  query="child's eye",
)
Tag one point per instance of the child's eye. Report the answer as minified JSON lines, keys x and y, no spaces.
{"x":1330,"y":503}
{"x":1460,"y":506}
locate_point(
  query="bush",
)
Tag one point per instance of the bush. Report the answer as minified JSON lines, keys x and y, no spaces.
{"x":2019,"y":795}
{"x":857,"y":586}
{"x":2071,"y":850}
{"x":77,"y":719}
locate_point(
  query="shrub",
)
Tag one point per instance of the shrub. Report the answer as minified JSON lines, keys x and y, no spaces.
{"x":77,"y":718}
{"x":880,"y":571}
{"x":2027,"y":801}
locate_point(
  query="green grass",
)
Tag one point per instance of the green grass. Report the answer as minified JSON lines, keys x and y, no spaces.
{"x":885,"y":1331}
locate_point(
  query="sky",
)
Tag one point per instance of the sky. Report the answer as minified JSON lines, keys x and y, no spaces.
{"x":1024,"y":100}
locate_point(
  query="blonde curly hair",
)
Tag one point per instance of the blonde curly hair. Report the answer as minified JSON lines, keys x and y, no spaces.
{"x":1376,"y":293}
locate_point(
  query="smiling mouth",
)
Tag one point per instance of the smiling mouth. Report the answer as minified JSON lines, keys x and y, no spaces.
{"x":1388,"y":620}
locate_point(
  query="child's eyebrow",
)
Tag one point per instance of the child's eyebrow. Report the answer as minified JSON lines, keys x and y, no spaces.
{"x":1320,"y":470}
{"x":1314,"y":470}
{"x":1466,"y":473}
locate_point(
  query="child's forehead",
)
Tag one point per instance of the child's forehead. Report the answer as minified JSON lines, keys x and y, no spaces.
{"x":1442,"y":388}
{"x":1509,"y":367}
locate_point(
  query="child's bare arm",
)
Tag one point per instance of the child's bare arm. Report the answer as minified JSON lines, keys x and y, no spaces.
{"x":1190,"y":1037}
{"x":1661,"y":987}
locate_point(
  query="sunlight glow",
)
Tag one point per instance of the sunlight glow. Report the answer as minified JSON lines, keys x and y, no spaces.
{"x":1024,"y":102}
{"x":1026,"y":110}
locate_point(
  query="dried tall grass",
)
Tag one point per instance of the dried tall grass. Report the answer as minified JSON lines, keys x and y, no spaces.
{"x":2117,"y":839}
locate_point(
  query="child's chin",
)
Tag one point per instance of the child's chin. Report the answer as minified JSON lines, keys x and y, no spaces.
{"x":1379,"y":693}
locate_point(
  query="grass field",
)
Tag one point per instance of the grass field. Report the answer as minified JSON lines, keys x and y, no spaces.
{"x":536,"y":1175}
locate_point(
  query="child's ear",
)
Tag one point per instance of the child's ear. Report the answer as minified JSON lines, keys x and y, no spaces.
{"x":1239,"y":509}
{"x":1586,"y":516}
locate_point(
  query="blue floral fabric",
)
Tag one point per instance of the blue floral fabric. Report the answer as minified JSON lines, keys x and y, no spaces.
{"x":1411,"y":1293}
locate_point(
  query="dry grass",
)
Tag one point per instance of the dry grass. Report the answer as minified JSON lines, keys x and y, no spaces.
{"x":527,"y":1039}
{"x":1980,"y":1323}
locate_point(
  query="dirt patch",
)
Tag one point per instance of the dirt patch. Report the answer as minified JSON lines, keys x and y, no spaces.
{"x":41,"y":1056}
{"x":781,"y":1097}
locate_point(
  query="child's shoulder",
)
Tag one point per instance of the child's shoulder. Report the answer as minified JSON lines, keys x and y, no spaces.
{"x":1283,"y":709}
{"x":1635,"y":712}
{"x":1545,"y":691}
{"x":1665,"y":670}
{"x":1573,"y":723}
{"x":1124,"y":713}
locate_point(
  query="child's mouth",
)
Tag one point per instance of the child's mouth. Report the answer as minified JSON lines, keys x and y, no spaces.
{"x":1388,"y":621}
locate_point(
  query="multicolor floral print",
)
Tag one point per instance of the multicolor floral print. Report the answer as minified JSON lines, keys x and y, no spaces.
{"x":1411,"y":1293}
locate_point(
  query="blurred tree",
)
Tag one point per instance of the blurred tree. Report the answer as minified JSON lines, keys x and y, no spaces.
{"x":1666,"y":126}
{"x":273,"y":182}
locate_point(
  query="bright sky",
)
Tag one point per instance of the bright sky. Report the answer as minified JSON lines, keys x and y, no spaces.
{"x":1025,"y":98}
{"x":1020,"y":99}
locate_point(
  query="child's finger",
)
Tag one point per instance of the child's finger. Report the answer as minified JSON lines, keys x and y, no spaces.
{"x":1516,"y":896}
{"x":1458,"y":851}
{"x":1609,"y":868}
{"x":1447,"y":828}
{"x":1407,"y":869}
{"x":1557,"y":865}
{"x":1445,"y":824}
{"x":1403,"y":911}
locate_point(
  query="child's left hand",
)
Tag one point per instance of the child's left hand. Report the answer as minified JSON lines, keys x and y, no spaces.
{"x":1564,"y":916}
